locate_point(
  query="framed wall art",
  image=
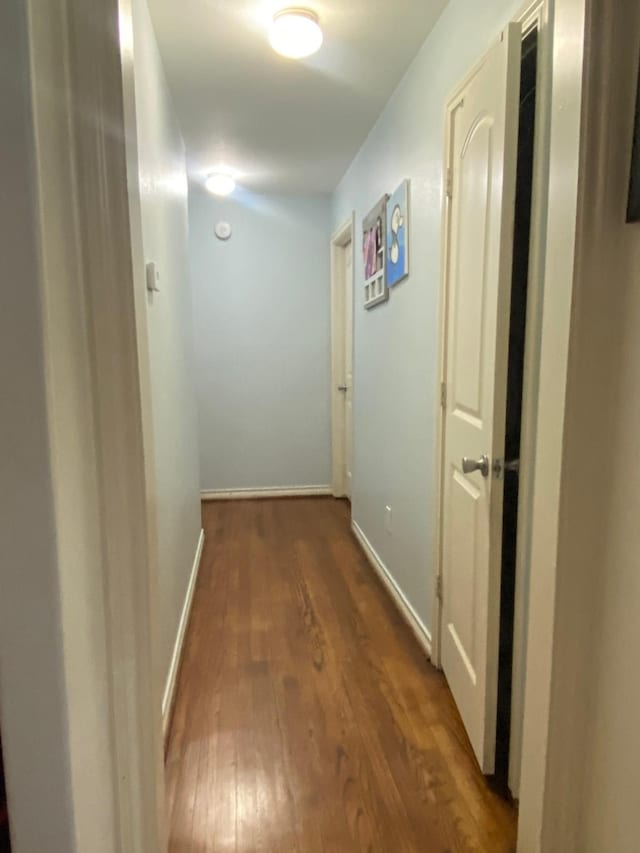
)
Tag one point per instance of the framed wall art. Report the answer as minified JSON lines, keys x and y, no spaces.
{"x":374,"y":254}
{"x":397,"y":237}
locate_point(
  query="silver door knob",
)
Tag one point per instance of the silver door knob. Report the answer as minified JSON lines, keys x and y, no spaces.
{"x":471,"y":465}
{"x":343,"y":388}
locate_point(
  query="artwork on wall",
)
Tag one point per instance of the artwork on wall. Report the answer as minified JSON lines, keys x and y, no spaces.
{"x":397,"y":236}
{"x":374,"y":252}
{"x":633,"y":209}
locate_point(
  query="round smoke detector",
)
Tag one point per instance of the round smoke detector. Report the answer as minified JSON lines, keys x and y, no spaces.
{"x":223,"y":230}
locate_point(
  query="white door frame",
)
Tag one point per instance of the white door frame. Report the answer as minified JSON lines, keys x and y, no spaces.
{"x":533,"y":15}
{"x":559,"y":638}
{"x":342,"y":237}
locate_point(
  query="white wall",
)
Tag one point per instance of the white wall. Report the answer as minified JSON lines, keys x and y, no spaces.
{"x":163,"y":188}
{"x":606,"y":506}
{"x":32,"y":689}
{"x":61,"y":664}
{"x":396,"y":344}
{"x":581,"y":769}
{"x":262,"y":318}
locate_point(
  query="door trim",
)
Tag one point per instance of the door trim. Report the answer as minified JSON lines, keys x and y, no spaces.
{"x":535,"y":13}
{"x":341,"y":238}
{"x":559,"y":659}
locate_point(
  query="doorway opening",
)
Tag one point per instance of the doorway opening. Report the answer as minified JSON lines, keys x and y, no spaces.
{"x":489,"y":367}
{"x":515,"y":388}
{"x":5,"y":840}
{"x":342,"y":358}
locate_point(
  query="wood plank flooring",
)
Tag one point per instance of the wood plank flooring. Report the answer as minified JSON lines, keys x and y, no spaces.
{"x":307,"y":718}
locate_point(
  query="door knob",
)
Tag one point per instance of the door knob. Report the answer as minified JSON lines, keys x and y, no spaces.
{"x":471,"y":465}
{"x":343,"y":388}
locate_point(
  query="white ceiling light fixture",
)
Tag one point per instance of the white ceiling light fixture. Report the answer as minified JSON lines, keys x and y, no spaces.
{"x":295,"y":33}
{"x":220,"y":183}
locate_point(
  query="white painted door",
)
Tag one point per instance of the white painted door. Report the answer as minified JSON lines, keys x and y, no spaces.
{"x":483,"y":129}
{"x":348,"y":363}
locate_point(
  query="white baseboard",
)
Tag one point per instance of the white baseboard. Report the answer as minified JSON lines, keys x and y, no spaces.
{"x":410,"y":616}
{"x":252,"y":494}
{"x":172,"y":678}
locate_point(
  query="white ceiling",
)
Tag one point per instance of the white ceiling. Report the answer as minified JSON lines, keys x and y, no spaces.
{"x":283,"y":125}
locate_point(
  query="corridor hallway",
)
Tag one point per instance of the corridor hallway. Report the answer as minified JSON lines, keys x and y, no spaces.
{"x":307,"y":718}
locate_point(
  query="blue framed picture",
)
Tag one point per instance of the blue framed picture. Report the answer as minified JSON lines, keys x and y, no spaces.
{"x":398,"y":234}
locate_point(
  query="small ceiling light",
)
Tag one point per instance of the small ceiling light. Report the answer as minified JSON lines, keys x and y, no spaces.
{"x":220,"y":184}
{"x":295,"y":33}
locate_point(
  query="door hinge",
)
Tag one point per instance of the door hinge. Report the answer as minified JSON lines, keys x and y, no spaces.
{"x":443,"y":395}
{"x":449,"y":182}
{"x":439,"y":587}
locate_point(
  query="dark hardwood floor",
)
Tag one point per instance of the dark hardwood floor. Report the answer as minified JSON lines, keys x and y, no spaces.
{"x":307,"y":718}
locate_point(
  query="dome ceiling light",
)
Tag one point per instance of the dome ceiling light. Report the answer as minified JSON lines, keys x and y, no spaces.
{"x":220,"y":184}
{"x":295,"y":33}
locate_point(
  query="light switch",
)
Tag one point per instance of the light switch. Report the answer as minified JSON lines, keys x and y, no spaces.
{"x":153,"y":277}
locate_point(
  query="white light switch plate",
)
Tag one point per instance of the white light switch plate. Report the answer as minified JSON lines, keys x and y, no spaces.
{"x":153,"y":277}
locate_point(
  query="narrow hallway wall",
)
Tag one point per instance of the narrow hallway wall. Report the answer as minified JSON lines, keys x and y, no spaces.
{"x":262,"y":319}
{"x":34,"y":708}
{"x":601,"y":515}
{"x":163,"y":190}
{"x":396,"y":344}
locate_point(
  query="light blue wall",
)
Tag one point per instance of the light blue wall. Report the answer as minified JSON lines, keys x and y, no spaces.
{"x":396,"y":344}
{"x":163,"y":188}
{"x":262,"y":321}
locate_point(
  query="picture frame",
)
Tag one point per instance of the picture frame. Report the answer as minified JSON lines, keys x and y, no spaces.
{"x":397,"y":238}
{"x":374,"y":254}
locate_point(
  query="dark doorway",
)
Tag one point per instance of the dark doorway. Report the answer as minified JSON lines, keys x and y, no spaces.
{"x":5,"y":843}
{"x":517,"y":332}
